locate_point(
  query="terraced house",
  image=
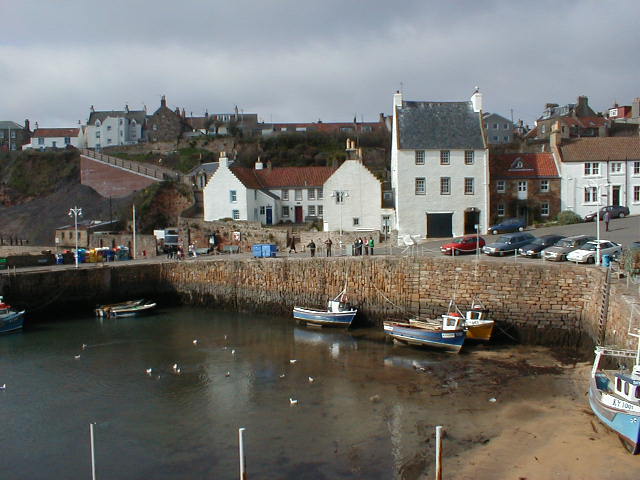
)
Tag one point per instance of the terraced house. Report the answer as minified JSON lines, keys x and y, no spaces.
{"x":439,"y":167}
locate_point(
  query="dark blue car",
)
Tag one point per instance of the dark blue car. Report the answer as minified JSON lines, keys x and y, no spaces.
{"x":508,"y":225}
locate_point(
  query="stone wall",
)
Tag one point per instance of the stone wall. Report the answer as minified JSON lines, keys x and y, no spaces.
{"x":624,"y":312}
{"x":548,"y":303}
{"x":110,"y":181}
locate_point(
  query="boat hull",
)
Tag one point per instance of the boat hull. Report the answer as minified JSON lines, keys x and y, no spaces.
{"x":482,"y":332}
{"x":324,"y":318}
{"x":131,"y":311}
{"x":444,"y":340}
{"x":625,"y":424}
{"x":12,"y":322}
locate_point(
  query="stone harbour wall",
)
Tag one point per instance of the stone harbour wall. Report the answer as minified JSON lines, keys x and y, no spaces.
{"x":534,"y":303}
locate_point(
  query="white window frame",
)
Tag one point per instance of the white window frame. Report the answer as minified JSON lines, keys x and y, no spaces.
{"x":421,"y":186}
{"x":311,"y":210}
{"x":445,"y":157}
{"x":262,"y":209}
{"x":591,"y":169}
{"x":616,"y":167}
{"x":285,"y":211}
{"x":469,"y":157}
{"x":636,"y":194}
{"x":544,"y":185}
{"x":420,"y":157}
{"x":522,"y":186}
{"x":501,"y":186}
{"x":285,"y":194}
{"x":590,"y":195}
{"x":544,"y":209}
{"x":356,"y":221}
{"x":235,"y":214}
{"x":469,"y":186}
{"x":311,"y":194}
{"x":500,"y":210}
{"x":233,"y":196}
{"x":297,"y":195}
{"x":320,"y":194}
{"x":445,"y":185}
{"x":320,"y":210}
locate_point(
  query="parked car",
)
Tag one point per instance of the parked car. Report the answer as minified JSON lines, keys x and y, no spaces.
{"x":587,"y":253}
{"x":535,"y":248}
{"x":466,"y":244}
{"x":616,"y":211}
{"x":559,"y":251}
{"x":508,"y":225}
{"x":508,"y":243}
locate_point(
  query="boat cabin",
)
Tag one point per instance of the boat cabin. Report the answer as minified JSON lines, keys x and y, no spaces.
{"x":628,"y":386}
{"x":338,"y":306}
{"x":477,"y":312}
{"x":452,"y":321}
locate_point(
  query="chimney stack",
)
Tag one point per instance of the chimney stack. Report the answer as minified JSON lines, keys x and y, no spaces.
{"x":635,"y":108}
{"x":26,"y":124}
{"x":163,"y":101}
{"x":476,"y":100}
{"x":259,"y":164}
{"x":397,"y":100}
{"x":223,"y":161}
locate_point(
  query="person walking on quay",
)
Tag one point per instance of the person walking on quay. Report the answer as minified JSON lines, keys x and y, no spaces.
{"x":366,"y":246}
{"x":292,"y":244}
{"x":328,"y":244}
{"x":360,"y":244}
{"x":607,"y":218}
{"x":371,"y":244}
{"x":312,"y":248}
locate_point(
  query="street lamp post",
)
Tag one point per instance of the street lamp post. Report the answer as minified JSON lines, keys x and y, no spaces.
{"x":340,"y":195}
{"x":75,"y":212}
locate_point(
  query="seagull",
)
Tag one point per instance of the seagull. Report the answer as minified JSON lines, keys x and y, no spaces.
{"x":293,"y":361}
{"x":195,"y":342}
{"x":225,"y":347}
{"x":282,"y":376}
{"x":178,"y":371}
{"x":77,"y":357}
{"x":311,"y":379}
{"x":292,"y":401}
{"x":225,"y":337}
{"x":175,"y":367}
{"x":228,"y":374}
{"x":233,"y":352}
{"x":3,"y":387}
{"x":149,"y":371}
{"x":84,"y":345}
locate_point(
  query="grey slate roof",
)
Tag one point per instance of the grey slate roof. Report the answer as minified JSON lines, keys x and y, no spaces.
{"x":137,"y":115}
{"x":439,"y":125}
{"x":209,"y":168}
{"x":9,"y":125}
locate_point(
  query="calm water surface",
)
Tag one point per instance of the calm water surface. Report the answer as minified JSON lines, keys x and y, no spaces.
{"x":353,"y":421}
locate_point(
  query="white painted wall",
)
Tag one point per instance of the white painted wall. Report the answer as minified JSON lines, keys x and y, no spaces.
{"x":216,"y":195}
{"x":51,"y":142}
{"x":113,"y":132}
{"x":363,"y":200}
{"x":308,"y":199}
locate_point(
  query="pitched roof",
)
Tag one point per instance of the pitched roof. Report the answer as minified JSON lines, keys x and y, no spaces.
{"x":438,"y":125}
{"x":9,"y":125}
{"x":534,"y":165}
{"x":137,"y":115}
{"x":56,"y":132}
{"x":601,"y":149}
{"x":197,"y":123}
{"x":584,"y":122}
{"x":282,"y":177}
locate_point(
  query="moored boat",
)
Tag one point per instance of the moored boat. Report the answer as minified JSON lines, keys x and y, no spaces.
{"x":478,"y":326}
{"x":446,"y":335}
{"x":10,"y":320}
{"x":614,"y":395}
{"x":339,"y":313}
{"x":125,"y":309}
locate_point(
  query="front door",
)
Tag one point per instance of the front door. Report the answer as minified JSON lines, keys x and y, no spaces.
{"x":269,"y":215}
{"x":471,"y":219}
{"x":615,"y":195}
{"x":298,"y":214}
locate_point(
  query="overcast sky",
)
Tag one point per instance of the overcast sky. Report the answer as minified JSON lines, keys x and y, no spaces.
{"x":300,"y":61}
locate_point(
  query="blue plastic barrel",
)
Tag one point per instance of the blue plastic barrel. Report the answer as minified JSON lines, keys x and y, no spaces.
{"x":257,"y":250}
{"x":269,"y":250}
{"x":606,"y":260}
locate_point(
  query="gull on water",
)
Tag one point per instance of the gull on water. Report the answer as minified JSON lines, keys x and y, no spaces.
{"x":282,"y":376}
{"x":293,"y":360}
{"x":84,"y":345}
{"x":311,"y":379}
{"x":77,"y":357}
{"x":292,"y":401}
{"x":228,"y":374}
{"x":3,"y":386}
{"x":233,"y":352}
{"x":175,"y":367}
{"x":195,"y":342}
{"x":149,"y":371}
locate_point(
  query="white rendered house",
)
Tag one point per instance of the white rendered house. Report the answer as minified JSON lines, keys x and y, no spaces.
{"x":44,"y":138}
{"x":113,"y":128}
{"x":439,"y":167}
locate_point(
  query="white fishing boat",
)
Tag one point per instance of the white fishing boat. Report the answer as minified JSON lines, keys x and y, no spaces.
{"x":125,"y":309}
{"x":339,"y":313}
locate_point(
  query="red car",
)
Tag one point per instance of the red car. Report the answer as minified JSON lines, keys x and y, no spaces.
{"x":464,"y":244}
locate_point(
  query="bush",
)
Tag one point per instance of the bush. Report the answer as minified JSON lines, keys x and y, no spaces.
{"x":567,"y":217}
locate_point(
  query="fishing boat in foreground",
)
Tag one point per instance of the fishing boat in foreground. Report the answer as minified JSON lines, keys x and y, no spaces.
{"x":339,"y":313}
{"x":447,"y":335}
{"x":125,"y":309}
{"x":614,"y":395}
{"x":10,"y":320}
{"x":478,"y":326}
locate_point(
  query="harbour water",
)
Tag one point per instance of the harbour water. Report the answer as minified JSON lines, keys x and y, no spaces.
{"x":365,"y":407}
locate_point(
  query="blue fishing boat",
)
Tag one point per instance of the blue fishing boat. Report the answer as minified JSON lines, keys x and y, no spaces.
{"x":339,"y":313}
{"x":10,"y":320}
{"x":614,"y":395}
{"x":446,"y":335}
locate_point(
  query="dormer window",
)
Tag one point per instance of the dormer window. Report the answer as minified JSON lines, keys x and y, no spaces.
{"x":97,"y":123}
{"x":519,"y":164}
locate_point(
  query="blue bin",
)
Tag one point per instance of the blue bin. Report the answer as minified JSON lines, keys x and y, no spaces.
{"x":606,"y":260}
{"x":269,"y":251}
{"x":257,"y":250}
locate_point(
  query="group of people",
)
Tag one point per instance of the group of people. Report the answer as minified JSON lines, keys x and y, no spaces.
{"x":362,"y":246}
{"x":174,"y":251}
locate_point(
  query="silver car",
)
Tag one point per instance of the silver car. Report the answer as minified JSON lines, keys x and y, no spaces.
{"x":559,"y":251}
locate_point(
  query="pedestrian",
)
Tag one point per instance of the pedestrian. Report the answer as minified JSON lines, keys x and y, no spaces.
{"x":328,"y":244}
{"x":371,"y":244}
{"x":607,"y":217}
{"x":312,"y":248}
{"x":292,"y":245}
{"x":360,"y":243}
{"x":366,"y":246}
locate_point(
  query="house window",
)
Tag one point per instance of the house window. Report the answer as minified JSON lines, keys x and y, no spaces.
{"x":616,"y":167}
{"x":98,"y":134}
{"x":311,"y":210}
{"x":339,"y":196}
{"x":311,"y":194}
{"x":501,"y":209}
{"x":495,"y":138}
{"x":61,"y":235}
{"x":501,"y":186}
{"x":285,"y":212}
{"x":495,"y":125}
{"x":356,"y":221}
{"x":298,"y":195}
{"x":544,"y":185}
{"x":40,"y":140}
{"x":591,"y":168}
{"x":155,"y":127}
{"x":636,"y":193}
{"x":262,"y":210}
{"x":543,"y":129}
{"x":320,"y":210}
{"x":235,"y":214}
{"x":233,"y":196}
{"x":285,"y":195}
{"x":506,"y":126}
{"x":120,"y":121}
{"x":97,"y":123}
{"x":506,"y":138}
{"x":468,"y":186}
{"x":108,"y":127}
{"x":636,"y":168}
{"x":421,"y":186}
{"x":590,"y":194}
{"x":108,"y":140}
{"x":445,"y":186}
{"x":320,"y":194}
{"x":67,"y":140}
{"x":468,"y":157}
{"x":419,"y":157}
{"x":544,"y":209}
{"x":444,"y":157}
{"x":522,"y":186}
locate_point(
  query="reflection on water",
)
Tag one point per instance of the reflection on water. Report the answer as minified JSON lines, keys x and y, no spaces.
{"x":353,"y":421}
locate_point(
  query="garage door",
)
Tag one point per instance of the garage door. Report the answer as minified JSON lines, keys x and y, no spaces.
{"x":439,"y":225}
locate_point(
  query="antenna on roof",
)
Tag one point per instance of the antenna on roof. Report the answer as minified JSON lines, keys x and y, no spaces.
{"x":401,"y":87}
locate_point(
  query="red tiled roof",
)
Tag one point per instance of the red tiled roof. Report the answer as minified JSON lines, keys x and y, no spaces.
{"x":56,"y":132}
{"x":534,"y":165}
{"x":282,"y":176}
{"x":584,"y":122}
{"x":601,"y":149}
